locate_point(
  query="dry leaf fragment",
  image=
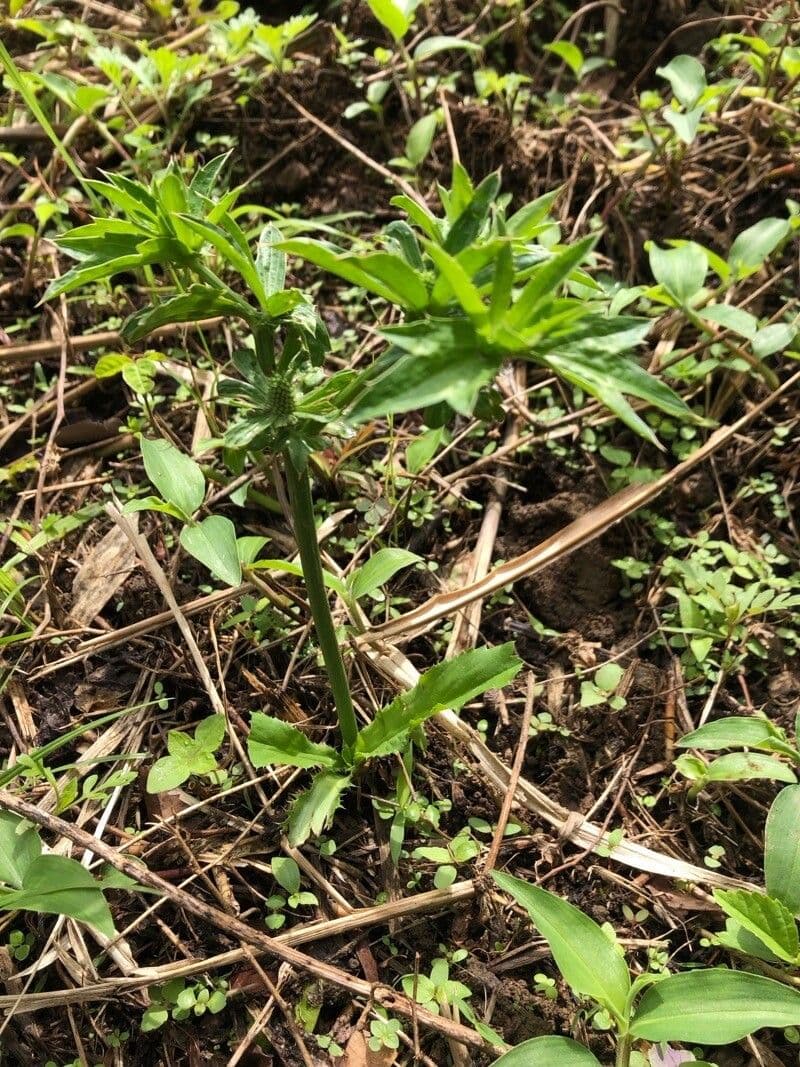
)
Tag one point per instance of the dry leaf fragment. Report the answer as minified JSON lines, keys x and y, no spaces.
{"x":102,"y":573}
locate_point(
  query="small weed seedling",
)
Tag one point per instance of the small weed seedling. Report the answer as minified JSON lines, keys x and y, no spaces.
{"x":761,"y":750}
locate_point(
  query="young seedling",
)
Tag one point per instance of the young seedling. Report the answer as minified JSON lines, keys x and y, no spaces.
{"x":711,"y":1006}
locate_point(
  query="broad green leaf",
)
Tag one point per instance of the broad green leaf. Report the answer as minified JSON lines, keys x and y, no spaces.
{"x":743,"y":766}
{"x":199,"y":302}
{"x":271,"y":261}
{"x":682,"y":270}
{"x":248,"y":548}
{"x":432,"y":46}
{"x":19,"y":847}
{"x":314,"y":809}
{"x":140,"y":376}
{"x":732,"y":318}
{"x":782,"y":849}
{"x":210,"y":732}
{"x":773,"y":339}
{"x":178,"y":478}
{"x":286,"y":873}
{"x":769,"y":919}
{"x":395,"y":15}
{"x":442,"y":360}
{"x":548,"y":1052}
{"x":447,"y":685}
{"x":273,"y":742}
{"x":378,"y":570}
{"x":687,"y":77}
{"x":56,"y":885}
{"x":111,"y":364}
{"x":714,"y":1007}
{"x":609,"y":676}
{"x":684,"y":123}
{"x":569,"y":53}
{"x":735,"y":731}
{"x":213,"y":542}
{"x":589,"y":962}
{"x":546,"y":281}
{"x":754,"y":244}
{"x":739,"y":940}
{"x":420,"y":138}
{"x":168,"y":773}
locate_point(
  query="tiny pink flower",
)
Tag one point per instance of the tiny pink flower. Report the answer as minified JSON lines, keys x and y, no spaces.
{"x":664,"y":1056}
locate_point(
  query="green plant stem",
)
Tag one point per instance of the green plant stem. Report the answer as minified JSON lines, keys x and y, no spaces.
{"x":305,"y":532}
{"x":624,"y":1051}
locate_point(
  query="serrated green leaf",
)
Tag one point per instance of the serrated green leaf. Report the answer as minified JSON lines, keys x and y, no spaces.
{"x":273,"y":742}
{"x":313,"y":811}
{"x":227,"y":243}
{"x":769,"y":919}
{"x":271,"y":261}
{"x":682,"y":270}
{"x":140,"y":376}
{"x":111,"y":364}
{"x":433,"y":360}
{"x":210,"y":732}
{"x":382,"y":273}
{"x":454,"y":282}
{"x":471,"y":219}
{"x":167,"y":773}
{"x":546,"y":281}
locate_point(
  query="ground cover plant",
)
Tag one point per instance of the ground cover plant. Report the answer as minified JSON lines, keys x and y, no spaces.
{"x":399,"y":567}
